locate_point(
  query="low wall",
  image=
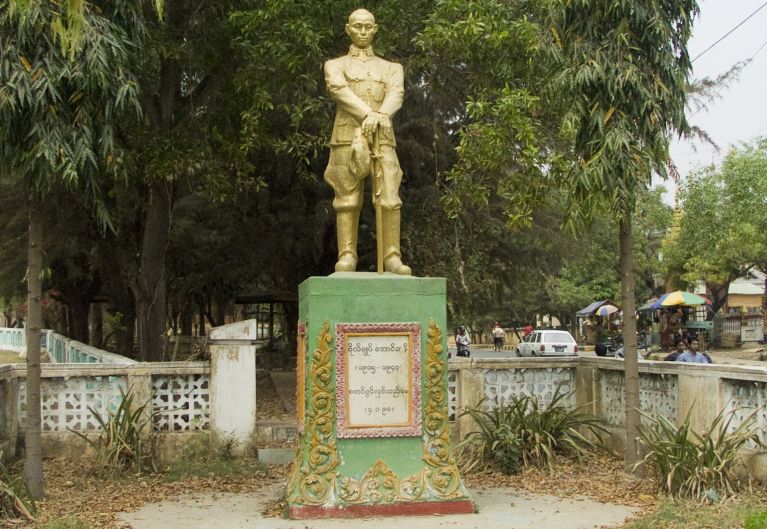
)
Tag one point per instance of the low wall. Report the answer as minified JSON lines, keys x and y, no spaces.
{"x":665,"y":388}
{"x":187,"y":397}
{"x":183,"y":397}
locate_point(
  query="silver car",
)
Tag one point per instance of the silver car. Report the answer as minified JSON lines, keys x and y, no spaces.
{"x":547,"y":343}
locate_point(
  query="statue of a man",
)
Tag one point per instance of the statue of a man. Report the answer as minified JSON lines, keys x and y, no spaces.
{"x":368,"y":91}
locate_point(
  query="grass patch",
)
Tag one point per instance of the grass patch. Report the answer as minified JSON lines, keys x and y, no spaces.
{"x":757,"y":520}
{"x":747,"y":511}
{"x":69,"y":522}
{"x":10,"y":357}
{"x":208,"y":455}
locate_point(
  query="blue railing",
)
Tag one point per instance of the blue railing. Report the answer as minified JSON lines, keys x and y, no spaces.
{"x":60,"y":349}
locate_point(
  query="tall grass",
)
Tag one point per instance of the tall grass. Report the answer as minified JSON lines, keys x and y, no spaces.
{"x":697,"y":465}
{"x":522,"y":432}
{"x":15,"y":499}
{"x":125,"y":441}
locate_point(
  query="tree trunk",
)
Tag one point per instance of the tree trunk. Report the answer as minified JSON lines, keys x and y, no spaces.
{"x":152,"y":291}
{"x":96,"y":325}
{"x":631,"y":362}
{"x":79,"y":312}
{"x":33,"y":469}
{"x":718,"y":296}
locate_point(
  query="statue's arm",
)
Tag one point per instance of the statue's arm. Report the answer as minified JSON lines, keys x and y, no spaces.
{"x":342,"y":94}
{"x":395,"y":90}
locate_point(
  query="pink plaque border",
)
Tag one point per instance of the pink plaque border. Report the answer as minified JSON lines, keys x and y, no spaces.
{"x":411,"y":430}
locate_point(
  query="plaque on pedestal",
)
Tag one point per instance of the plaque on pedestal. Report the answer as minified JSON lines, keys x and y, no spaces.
{"x":373,"y":437}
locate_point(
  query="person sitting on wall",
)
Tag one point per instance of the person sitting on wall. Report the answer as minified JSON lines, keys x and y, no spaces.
{"x":681,"y":347}
{"x":693,"y":355}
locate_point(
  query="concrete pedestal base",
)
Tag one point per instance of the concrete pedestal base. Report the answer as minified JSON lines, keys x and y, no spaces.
{"x":372,"y":400}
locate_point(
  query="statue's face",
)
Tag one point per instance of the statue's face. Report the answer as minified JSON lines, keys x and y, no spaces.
{"x":361,"y":28}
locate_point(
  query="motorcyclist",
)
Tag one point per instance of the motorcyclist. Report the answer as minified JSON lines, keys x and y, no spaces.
{"x":462,"y":342}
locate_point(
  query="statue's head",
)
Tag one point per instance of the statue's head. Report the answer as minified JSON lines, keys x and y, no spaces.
{"x":361,"y":27}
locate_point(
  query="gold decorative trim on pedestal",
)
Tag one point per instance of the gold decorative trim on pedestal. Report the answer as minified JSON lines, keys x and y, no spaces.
{"x":317,"y":475}
{"x":442,"y":476}
{"x":381,"y":484}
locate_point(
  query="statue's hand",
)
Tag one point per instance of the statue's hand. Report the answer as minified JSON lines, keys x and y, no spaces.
{"x":373,"y":121}
{"x":370,"y":124}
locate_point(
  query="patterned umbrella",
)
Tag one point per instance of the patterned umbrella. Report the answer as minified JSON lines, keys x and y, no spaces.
{"x":606,"y":310}
{"x":680,"y":298}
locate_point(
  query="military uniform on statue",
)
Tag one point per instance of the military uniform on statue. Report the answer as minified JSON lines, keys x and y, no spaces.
{"x":368,"y":92}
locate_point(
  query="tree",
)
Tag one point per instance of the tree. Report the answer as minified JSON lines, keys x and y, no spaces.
{"x":57,"y":113}
{"x":718,"y":233}
{"x":624,"y":69}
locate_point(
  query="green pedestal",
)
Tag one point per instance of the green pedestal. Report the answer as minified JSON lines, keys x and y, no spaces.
{"x":372,"y":400}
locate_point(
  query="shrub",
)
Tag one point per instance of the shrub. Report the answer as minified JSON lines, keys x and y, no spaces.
{"x":15,"y":499}
{"x":126,"y":441}
{"x":208,"y":454}
{"x":521,"y":432}
{"x":697,"y":465}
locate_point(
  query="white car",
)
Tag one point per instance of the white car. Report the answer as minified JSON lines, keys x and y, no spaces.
{"x":547,"y":343}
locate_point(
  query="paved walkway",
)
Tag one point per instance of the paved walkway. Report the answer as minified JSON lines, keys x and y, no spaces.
{"x":498,"y":509}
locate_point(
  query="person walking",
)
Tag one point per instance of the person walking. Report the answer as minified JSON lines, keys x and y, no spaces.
{"x":498,"y":335}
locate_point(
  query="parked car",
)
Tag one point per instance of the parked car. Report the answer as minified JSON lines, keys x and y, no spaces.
{"x":547,"y":343}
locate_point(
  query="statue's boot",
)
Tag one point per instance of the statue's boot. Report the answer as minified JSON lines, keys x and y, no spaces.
{"x":391,"y":243}
{"x":346,"y":231}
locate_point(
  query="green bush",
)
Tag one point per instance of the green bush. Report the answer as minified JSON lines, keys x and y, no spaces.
{"x":15,"y":499}
{"x":126,"y":441}
{"x":523,"y":433}
{"x":697,"y":465}
{"x":208,"y":454}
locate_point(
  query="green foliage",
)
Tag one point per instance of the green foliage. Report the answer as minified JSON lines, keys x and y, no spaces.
{"x":719,"y":232}
{"x":15,"y":499}
{"x":58,"y":108}
{"x":702,"y":466}
{"x":522,"y":433}
{"x":208,"y":454}
{"x":756,"y":521}
{"x":485,"y":63}
{"x":125,"y":441}
{"x":68,"y":522}
{"x":624,"y":73}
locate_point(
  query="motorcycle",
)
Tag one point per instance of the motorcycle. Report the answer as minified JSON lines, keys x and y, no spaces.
{"x":462,"y":349}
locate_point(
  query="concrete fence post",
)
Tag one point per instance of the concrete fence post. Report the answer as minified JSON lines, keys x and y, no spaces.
{"x":233,"y":380}
{"x":9,"y":417}
{"x":471,"y":384}
{"x":140,"y":386}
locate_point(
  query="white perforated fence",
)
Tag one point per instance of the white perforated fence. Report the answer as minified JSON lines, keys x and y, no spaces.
{"x":658,"y":396}
{"x":177,"y":395}
{"x":743,"y":399}
{"x":181,"y":403}
{"x":69,"y":403}
{"x":502,"y":385}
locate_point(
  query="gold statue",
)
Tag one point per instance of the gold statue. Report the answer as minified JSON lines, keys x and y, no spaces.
{"x":368,"y":91}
